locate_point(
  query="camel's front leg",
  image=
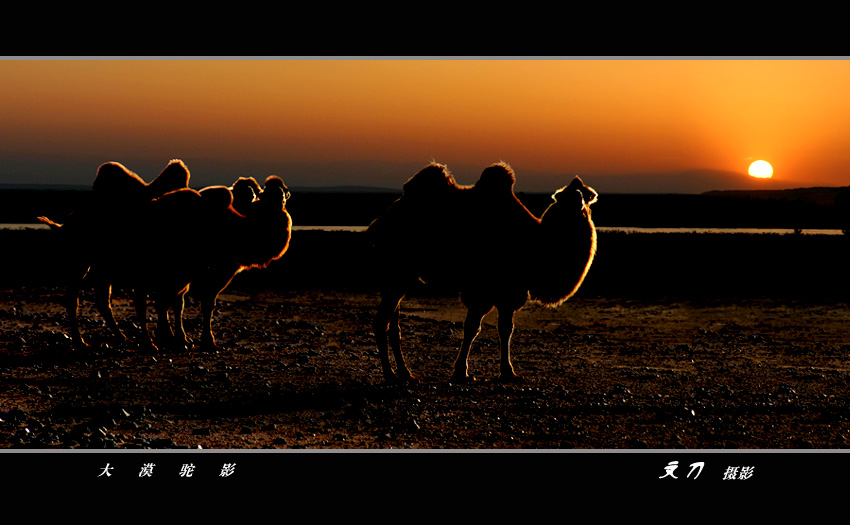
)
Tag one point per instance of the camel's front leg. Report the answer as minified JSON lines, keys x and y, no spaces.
{"x":386,"y":315}
{"x":506,"y":330}
{"x":471,"y":328}
{"x":208,"y":289}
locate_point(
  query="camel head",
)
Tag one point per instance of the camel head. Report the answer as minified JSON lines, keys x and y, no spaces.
{"x":576,"y":197}
{"x":245,"y":190}
{"x":274,"y":191}
{"x":566,"y":246}
{"x":266,"y":233}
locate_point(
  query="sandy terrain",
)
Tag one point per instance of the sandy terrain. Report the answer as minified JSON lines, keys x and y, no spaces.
{"x":299,"y":370}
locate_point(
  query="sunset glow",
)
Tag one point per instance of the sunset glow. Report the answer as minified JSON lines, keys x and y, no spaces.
{"x":626,"y":125}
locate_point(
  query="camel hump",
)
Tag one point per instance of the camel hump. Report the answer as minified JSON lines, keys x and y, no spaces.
{"x":433,"y":180}
{"x":217,"y":197}
{"x":174,"y":177}
{"x":113,"y":180}
{"x":183,"y":196}
{"x":178,"y":206}
{"x":497,"y":179}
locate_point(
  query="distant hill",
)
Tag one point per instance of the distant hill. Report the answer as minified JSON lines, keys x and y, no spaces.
{"x":823,"y":196}
{"x":803,"y":208}
{"x":692,"y":182}
{"x":49,"y":187}
{"x":300,"y":189}
{"x":341,"y":189}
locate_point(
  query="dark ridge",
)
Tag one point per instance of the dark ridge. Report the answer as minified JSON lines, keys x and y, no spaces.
{"x":808,"y":208}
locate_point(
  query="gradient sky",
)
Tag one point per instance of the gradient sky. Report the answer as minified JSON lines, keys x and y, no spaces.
{"x":623,"y":125}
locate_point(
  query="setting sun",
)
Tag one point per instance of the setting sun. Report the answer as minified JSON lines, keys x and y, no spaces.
{"x":761,"y":169}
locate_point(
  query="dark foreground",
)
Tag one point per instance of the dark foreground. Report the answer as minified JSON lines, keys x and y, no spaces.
{"x":663,"y":365}
{"x":299,"y":371}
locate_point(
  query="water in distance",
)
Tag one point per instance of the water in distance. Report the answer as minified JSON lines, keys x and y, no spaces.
{"x":628,"y":229}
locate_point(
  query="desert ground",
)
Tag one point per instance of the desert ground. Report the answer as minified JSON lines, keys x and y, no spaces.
{"x":639,"y":359}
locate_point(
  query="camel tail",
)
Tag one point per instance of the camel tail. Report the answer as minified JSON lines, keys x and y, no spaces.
{"x":53,"y":225}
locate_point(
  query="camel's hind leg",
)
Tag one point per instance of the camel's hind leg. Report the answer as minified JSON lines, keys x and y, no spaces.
{"x":387,"y":332}
{"x":177,"y":306}
{"x":506,"y":330}
{"x":140,"y":301}
{"x":71,"y":301}
{"x":208,"y":303}
{"x":394,"y":339}
{"x":103,"y":303}
{"x":165,"y":335}
{"x":471,"y":329}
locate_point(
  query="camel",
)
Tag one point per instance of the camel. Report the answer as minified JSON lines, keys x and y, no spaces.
{"x":214,"y":244}
{"x":109,"y":226}
{"x":484,"y":242}
{"x":184,"y":237}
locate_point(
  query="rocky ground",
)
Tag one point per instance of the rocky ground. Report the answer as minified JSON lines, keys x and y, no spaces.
{"x":299,"y":370}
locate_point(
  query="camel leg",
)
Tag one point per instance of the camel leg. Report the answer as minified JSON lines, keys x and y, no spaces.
{"x":394,"y":339}
{"x":208,"y":288}
{"x":164,"y":335}
{"x":71,"y":302}
{"x":506,"y":330}
{"x":140,"y":301}
{"x":179,"y":306}
{"x":103,"y":303}
{"x":471,"y":329}
{"x":388,"y":313}
{"x":208,"y":302}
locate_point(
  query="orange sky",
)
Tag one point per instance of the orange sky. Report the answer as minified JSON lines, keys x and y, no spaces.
{"x":618,"y":123}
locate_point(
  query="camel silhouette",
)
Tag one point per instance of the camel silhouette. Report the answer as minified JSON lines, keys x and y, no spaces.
{"x":482,"y":241}
{"x":165,"y":244}
{"x":109,"y":226}
{"x":211,"y":245}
